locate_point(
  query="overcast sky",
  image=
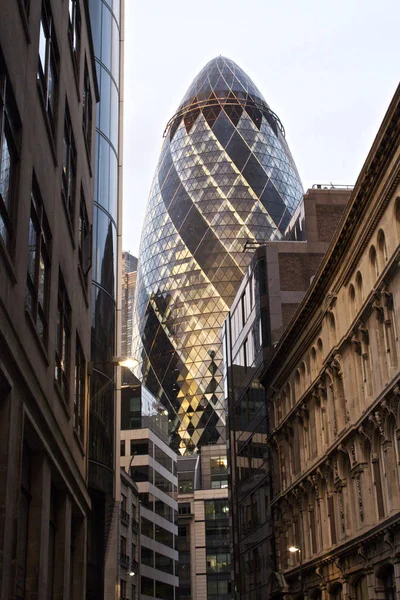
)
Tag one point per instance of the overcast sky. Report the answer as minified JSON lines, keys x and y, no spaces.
{"x":328,"y":68}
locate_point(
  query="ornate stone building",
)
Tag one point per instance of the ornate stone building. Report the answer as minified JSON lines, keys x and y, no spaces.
{"x":333,"y":396}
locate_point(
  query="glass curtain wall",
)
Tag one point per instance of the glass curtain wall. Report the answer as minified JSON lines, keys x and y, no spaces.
{"x":105,"y":21}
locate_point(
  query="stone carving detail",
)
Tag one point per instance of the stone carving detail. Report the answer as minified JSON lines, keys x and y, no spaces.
{"x":357,"y":481}
{"x":353,"y":453}
{"x":341,"y":508}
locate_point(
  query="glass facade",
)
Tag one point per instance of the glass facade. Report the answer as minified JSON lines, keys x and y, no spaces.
{"x":105,"y":23}
{"x":105,"y":31}
{"x":225,"y":177}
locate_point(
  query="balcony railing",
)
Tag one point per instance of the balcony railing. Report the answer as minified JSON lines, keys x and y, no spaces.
{"x":125,"y":517}
{"x":124,"y":560}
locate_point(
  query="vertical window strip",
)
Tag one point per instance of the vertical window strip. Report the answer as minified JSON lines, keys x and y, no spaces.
{"x":63,"y":340}
{"x":79,"y":398}
{"x":9,"y":146}
{"x":47,"y":63}
{"x":38,"y":266}
{"x":69,"y":168}
{"x":87,"y":109}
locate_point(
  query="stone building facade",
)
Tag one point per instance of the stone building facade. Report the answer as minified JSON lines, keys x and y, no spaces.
{"x":275,"y":283}
{"x":48,"y":95}
{"x":333,"y":398}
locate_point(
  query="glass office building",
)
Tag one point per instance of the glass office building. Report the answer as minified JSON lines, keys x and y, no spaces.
{"x":105,"y":22}
{"x":225,"y":178}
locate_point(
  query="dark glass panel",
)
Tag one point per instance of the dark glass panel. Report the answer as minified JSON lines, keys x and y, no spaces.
{"x":238,"y":151}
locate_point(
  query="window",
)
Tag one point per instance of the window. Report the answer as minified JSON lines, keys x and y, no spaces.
{"x":47,"y":67}
{"x":85,"y":240}
{"x":74,"y":30}
{"x":79,"y":396}
{"x":38,"y":266}
{"x":9,"y":141}
{"x":87,"y":109}
{"x":218,"y":562}
{"x":123,"y":502}
{"x":68,"y":168}
{"x":122,"y":448}
{"x":219,"y":472}
{"x":123,"y":545}
{"x":63,"y":339}
{"x":123,"y":589}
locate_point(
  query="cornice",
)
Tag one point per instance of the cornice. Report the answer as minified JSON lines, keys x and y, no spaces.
{"x":371,"y":176}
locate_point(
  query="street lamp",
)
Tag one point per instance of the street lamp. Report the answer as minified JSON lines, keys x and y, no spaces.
{"x":294,"y":549}
{"x":132,"y":573}
{"x":114,"y":361}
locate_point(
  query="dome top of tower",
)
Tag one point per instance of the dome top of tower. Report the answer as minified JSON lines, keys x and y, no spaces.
{"x":222,"y":83}
{"x":221,"y":76}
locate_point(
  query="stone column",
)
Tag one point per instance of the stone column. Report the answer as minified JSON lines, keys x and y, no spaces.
{"x":397,"y":578}
{"x":346,"y":590}
{"x":38,"y":536}
{"x":78,"y":558}
{"x":62,"y":559}
{"x":371,"y":583}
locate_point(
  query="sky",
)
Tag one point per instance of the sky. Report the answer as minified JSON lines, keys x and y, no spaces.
{"x":327,"y":68}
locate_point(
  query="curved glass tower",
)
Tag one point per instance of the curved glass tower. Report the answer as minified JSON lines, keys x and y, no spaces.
{"x":225,"y":177}
{"x":106,"y":26}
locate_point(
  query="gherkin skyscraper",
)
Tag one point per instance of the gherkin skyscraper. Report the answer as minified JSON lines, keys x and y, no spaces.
{"x":225,"y":176}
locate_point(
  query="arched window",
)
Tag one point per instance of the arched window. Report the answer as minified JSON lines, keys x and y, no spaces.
{"x":303,"y":373}
{"x":385,"y":577}
{"x":297,"y":384}
{"x":376,"y":464}
{"x":382,"y":250}
{"x":361,"y":588}
{"x":352,"y":302}
{"x":314,"y":368}
{"x":397,"y":215}
{"x":320,"y":348}
{"x":360,"y":291}
{"x":336,"y":592}
{"x":332,"y":329}
{"x":374,"y":263}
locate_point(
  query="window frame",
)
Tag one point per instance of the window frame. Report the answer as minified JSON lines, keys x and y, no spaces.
{"x":79,"y":391}
{"x":9,"y":132}
{"x":69,"y":169}
{"x":62,"y":366}
{"x":74,"y":31}
{"x":48,"y":73}
{"x":38,"y":281}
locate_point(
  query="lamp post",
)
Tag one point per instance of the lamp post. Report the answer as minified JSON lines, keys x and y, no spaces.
{"x":293,"y":550}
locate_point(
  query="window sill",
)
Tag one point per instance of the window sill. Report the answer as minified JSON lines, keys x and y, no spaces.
{"x":62,"y":400}
{"x":36,"y":335}
{"x":8,"y":262}
{"x":80,"y":443}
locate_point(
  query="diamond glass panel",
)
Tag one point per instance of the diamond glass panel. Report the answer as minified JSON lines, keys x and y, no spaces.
{"x":225,"y":176}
